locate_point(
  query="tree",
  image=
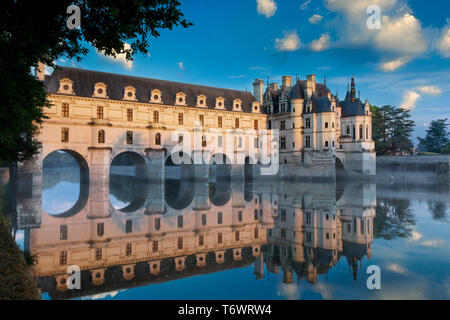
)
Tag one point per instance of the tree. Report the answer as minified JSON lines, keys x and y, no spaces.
{"x":392,"y":129}
{"x":32,"y":31}
{"x":436,"y":138}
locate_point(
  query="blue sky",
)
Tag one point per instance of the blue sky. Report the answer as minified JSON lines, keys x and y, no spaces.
{"x":405,"y":63}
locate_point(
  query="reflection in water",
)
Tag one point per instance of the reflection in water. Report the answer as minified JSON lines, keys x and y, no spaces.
{"x":301,"y":240}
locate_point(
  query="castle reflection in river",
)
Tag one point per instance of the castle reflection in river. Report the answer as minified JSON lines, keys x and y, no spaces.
{"x":180,"y":228}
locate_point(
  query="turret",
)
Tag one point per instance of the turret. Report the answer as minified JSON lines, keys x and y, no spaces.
{"x":258,"y":87}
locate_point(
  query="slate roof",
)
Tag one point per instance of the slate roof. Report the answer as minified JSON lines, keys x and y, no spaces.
{"x":84,"y":80}
{"x":352,"y":108}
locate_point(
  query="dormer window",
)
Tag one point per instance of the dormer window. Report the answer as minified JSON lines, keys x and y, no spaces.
{"x":130,"y":93}
{"x":237,"y":105}
{"x":220,"y":103}
{"x":256,"y":107}
{"x":65,"y":86}
{"x":201,"y":101}
{"x":155,"y":96}
{"x":100,"y":90}
{"x":180,"y":99}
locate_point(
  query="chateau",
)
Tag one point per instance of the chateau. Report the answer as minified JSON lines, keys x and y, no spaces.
{"x":297,"y":130}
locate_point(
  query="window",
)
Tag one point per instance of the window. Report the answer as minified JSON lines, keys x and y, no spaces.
{"x":361,"y":132}
{"x":65,"y":110}
{"x":155,"y":246}
{"x":240,"y":216}
{"x":326,"y":124}
{"x":128,"y":226}
{"x":157,"y":223}
{"x":219,"y":237}
{"x":158,"y":139}
{"x":326,"y":144}
{"x":129,"y":249}
{"x":200,"y":240}
{"x":180,"y":138}
{"x":282,"y":142}
{"x":63,"y":232}
{"x":328,"y":235}
{"x":256,"y":234}
{"x":308,"y":218}
{"x":307,"y":141}
{"x":283,"y":125}
{"x":98,"y":253}
{"x":63,"y":257}
{"x":180,"y":119}
{"x":100,"y":229}
{"x":99,"y":112}
{"x":256,"y":143}
{"x":255,"y":214}
{"x":348,"y":130}
{"x":101,"y":136}
{"x":129,"y":137}
{"x":180,"y":243}
{"x":240,"y":142}
{"x":308,"y":237}
{"x":236,"y":236}
{"x":283,"y":214}
{"x":219,"y":122}
{"x":203,"y":141}
{"x":332,"y":124}
{"x":219,"y":217}
{"x":367,"y":132}
{"x":255,"y":124}
{"x":308,"y":123}
{"x":204,"y":219}
{"x":283,"y":233}
{"x":180,"y":221}
{"x":236,"y":123}
{"x":130,"y":115}
{"x":219,"y":141}
{"x":155,"y":116}
{"x":64,"y":134}
{"x":269,"y":125}
{"x":202,"y":120}
{"x":353,"y":132}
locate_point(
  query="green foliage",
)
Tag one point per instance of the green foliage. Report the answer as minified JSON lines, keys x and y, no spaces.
{"x":32,"y":31}
{"x":436,"y":139}
{"x":393,"y":219}
{"x":392,"y":129}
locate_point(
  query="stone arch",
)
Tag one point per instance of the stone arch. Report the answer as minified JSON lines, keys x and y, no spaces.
{"x":340,"y":169}
{"x":83,"y":195}
{"x":220,"y":167}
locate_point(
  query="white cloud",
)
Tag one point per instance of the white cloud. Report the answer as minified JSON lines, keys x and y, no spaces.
{"x":394,"y":64}
{"x":323,"y":43}
{"x":410,"y":100}
{"x":395,"y":267}
{"x":415,"y":235}
{"x":444,"y":42}
{"x":289,"y":42}
{"x":181,"y":66}
{"x":315,"y":19}
{"x":120,"y":57}
{"x":266,"y":7}
{"x":431,"y":90}
{"x":305,"y":5}
{"x":433,"y":243}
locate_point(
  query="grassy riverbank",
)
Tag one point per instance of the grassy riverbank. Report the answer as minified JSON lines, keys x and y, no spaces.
{"x":16,"y":281}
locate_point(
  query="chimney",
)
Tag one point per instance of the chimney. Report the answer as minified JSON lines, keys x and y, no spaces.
{"x":311,"y":84}
{"x":40,"y":71}
{"x":286,"y":81}
{"x":274,"y":86}
{"x":258,"y":87}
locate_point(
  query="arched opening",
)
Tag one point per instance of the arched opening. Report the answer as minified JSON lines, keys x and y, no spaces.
{"x":220,"y":192}
{"x":179,"y":166}
{"x":65,"y":183}
{"x":340,"y":170}
{"x":128,"y":181}
{"x":248,"y":167}
{"x":220,"y":168}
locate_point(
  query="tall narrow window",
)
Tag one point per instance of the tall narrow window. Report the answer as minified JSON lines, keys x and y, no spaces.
{"x":219,"y":217}
{"x":201,"y":118}
{"x":180,"y":242}
{"x":256,"y":234}
{"x":63,"y":257}
{"x":283,"y":125}
{"x":100,"y":229}
{"x":129,"y":137}
{"x":236,"y":123}
{"x":128,"y":226}
{"x":240,"y":216}
{"x":65,"y":110}
{"x":203,"y":141}
{"x":219,"y":122}
{"x":98,"y":254}
{"x":361,"y":132}
{"x":64,"y":134}
{"x":155,"y":246}
{"x":63,"y":232}
{"x":180,"y":221}
{"x":367,"y":133}
{"x":236,"y":236}
{"x":256,"y":214}
{"x":158,"y":139}
{"x":348,"y":130}
{"x":129,"y":249}
{"x":200,"y":240}
{"x":282,"y":142}
{"x":219,"y":142}
{"x":219,"y":237}
{"x":255,"y":124}
{"x":256,"y":143}
{"x":157,"y":223}
{"x":99,"y":112}
{"x":180,"y":119}
{"x":307,"y":141}
{"x":101,"y":136}
{"x":130,"y":115}
{"x":204,"y":219}
{"x":269,"y":125}
{"x":155,"y":116}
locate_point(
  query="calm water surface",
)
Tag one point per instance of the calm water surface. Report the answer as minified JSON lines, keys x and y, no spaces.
{"x":236,"y":239}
